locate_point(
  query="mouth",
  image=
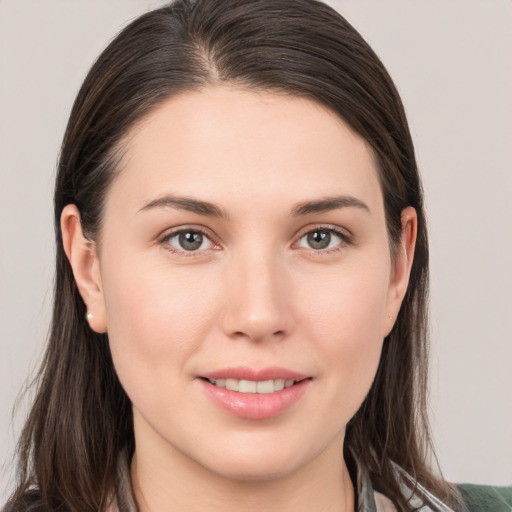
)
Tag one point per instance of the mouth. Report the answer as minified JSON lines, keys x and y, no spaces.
{"x":255,"y":394}
{"x":261,"y":387}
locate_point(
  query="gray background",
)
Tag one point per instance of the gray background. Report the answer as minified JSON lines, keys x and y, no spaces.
{"x":451,"y":61}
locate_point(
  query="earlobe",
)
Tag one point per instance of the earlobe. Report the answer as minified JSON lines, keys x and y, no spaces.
{"x":83,"y":258}
{"x":401,"y":265}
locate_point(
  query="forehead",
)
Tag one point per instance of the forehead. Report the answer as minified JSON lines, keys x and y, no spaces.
{"x":226,"y":144}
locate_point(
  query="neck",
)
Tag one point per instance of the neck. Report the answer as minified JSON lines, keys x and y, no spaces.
{"x":162,"y":483}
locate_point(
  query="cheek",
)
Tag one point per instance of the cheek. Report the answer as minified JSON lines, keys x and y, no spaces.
{"x":156,"y":321}
{"x":348,"y":305}
{"x":345,"y":318}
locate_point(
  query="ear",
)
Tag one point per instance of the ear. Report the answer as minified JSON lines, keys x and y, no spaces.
{"x":84,"y":261}
{"x":401,"y":266}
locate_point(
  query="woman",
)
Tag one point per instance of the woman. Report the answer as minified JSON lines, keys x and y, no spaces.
{"x":241,"y":276}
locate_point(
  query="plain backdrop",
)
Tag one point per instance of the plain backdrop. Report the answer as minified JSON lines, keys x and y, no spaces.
{"x":451,"y":61}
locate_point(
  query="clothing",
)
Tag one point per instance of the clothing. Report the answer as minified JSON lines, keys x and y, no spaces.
{"x":477,"y":498}
{"x":484,"y":498}
{"x":370,"y":500}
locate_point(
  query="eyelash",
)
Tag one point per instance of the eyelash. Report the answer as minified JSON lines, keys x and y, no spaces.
{"x":165,"y":241}
{"x":345,"y":240}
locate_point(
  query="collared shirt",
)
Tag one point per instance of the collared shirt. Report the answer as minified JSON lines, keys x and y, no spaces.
{"x":370,"y":500}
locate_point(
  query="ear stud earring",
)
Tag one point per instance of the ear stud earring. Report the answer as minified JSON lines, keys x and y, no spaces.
{"x":88,"y":317}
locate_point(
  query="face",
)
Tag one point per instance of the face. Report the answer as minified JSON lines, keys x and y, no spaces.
{"x":244,"y":247}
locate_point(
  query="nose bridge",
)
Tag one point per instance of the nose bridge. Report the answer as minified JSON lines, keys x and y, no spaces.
{"x":256,"y":303}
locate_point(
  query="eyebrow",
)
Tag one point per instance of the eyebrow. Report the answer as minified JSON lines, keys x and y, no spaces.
{"x":212,"y":210}
{"x":188,"y":204}
{"x":328,"y":204}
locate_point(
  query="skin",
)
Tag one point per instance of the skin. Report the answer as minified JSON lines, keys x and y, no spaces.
{"x":256,"y":293}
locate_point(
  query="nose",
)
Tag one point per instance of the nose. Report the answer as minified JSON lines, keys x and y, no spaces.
{"x":258,"y":302}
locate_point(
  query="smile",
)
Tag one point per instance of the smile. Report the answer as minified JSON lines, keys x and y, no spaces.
{"x":252,"y":386}
{"x":255,"y":394}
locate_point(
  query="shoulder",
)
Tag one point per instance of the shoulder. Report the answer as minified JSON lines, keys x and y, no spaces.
{"x":486,"y":498}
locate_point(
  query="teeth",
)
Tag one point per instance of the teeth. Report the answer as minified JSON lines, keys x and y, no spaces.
{"x":251,"y":386}
{"x":265,"y":386}
{"x":247,"y":386}
{"x":279,"y":384}
{"x":232,"y":384}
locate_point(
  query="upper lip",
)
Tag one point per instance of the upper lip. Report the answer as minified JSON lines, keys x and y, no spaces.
{"x":262,"y":374}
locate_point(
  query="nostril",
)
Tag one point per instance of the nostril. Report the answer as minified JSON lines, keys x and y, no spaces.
{"x":258,"y":336}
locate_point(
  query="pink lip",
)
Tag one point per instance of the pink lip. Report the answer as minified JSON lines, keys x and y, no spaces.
{"x":245,"y":373}
{"x":255,"y":406}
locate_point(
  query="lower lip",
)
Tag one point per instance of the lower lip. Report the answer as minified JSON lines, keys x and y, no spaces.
{"x":255,"y":406}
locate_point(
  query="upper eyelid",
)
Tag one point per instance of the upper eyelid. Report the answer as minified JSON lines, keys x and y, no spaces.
{"x":346,"y":239}
{"x":342,"y":232}
{"x":167,"y":233}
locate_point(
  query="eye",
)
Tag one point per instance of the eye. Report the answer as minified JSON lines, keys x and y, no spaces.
{"x":188,"y":240}
{"x":321,"y":239}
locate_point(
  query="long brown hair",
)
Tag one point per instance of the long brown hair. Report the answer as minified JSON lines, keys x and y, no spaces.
{"x":81,"y":419}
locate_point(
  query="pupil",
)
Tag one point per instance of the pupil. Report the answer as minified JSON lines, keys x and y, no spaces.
{"x":190,"y":240}
{"x":319,"y":239}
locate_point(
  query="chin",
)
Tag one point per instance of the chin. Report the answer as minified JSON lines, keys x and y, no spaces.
{"x":257,"y":461}
{"x":255,"y":470}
